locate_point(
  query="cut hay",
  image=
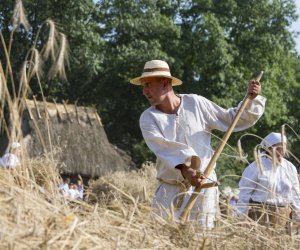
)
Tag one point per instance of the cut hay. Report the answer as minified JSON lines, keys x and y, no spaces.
{"x":139,"y":185}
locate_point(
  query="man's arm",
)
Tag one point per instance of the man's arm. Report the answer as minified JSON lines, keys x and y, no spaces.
{"x":247,"y":186}
{"x":220,"y":118}
{"x":171,"y":152}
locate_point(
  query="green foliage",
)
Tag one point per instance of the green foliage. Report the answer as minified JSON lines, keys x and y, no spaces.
{"x":135,"y":31}
{"x":78,"y":20}
{"x":140,"y":152}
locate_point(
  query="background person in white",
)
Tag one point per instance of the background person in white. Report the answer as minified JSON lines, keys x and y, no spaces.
{"x":276,"y":184}
{"x":73,"y":192}
{"x":11,"y":158}
{"x":177,"y":129}
{"x":64,"y":187}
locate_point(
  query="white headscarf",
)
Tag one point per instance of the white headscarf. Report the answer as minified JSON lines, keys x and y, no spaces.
{"x":272,"y":139}
{"x":14,"y":145}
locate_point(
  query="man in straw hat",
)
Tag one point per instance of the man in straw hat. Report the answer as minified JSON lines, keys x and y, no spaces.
{"x":177,"y":128}
{"x":270,"y":185}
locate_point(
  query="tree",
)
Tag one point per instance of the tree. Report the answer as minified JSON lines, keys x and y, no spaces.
{"x":215,"y":47}
{"x":134,"y":31}
{"x":77,"y":19}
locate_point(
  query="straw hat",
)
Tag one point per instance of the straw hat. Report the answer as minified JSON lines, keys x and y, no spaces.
{"x":156,"y":68}
{"x":272,"y":139}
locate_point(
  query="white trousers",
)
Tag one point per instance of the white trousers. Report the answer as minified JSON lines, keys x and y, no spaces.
{"x":168,"y":197}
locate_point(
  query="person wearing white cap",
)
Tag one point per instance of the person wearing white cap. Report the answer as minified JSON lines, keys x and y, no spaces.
{"x":177,"y":128}
{"x":11,"y":158}
{"x":270,"y":184}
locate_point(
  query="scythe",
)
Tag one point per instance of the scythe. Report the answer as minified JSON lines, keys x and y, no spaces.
{"x":216,"y":155}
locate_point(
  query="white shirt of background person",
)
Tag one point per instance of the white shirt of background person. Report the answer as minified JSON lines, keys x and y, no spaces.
{"x":73,"y":192}
{"x":64,"y":187}
{"x":10,"y":159}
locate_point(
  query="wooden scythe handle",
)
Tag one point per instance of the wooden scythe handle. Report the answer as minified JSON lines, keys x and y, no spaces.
{"x":216,"y":155}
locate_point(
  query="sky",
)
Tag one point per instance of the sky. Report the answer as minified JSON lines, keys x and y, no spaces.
{"x":296,"y":26}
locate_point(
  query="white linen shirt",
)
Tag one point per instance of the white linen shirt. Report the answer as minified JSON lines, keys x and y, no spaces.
{"x":10,"y":160}
{"x":73,"y":194}
{"x":175,"y":138}
{"x":272,"y":185}
{"x":64,"y":188}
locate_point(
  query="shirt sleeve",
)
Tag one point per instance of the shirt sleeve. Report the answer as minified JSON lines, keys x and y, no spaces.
{"x":247,"y":185}
{"x":220,"y":118}
{"x":295,"y":199}
{"x":13,"y":161}
{"x":172,"y":152}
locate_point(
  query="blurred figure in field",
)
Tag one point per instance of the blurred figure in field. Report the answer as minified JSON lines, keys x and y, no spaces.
{"x":73,"y":192}
{"x":11,"y":158}
{"x":80,"y":187}
{"x":269,"y":188}
{"x":64,"y":187}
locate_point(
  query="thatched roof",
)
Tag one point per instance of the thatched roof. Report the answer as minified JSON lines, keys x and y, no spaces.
{"x":79,"y":142}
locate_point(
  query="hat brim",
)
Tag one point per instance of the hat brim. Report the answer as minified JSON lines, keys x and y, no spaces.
{"x":137,"y":80}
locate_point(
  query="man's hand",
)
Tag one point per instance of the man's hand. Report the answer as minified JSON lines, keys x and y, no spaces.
{"x":191,"y":175}
{"x":254,"y":89}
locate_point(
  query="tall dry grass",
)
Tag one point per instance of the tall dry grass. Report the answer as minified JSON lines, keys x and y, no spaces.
{"x":55,"y":51}
{"x":34,"y":215}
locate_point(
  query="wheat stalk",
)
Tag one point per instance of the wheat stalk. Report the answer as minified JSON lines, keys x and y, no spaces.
{"x":58,"y":68}
{"x":19,"y":16}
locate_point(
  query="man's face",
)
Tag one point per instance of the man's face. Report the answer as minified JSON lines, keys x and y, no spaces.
{"x":154,"y":89}
{"x":279,"y":149}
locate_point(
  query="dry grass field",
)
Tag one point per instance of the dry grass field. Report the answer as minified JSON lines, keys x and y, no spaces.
{"x":116,"y":214}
